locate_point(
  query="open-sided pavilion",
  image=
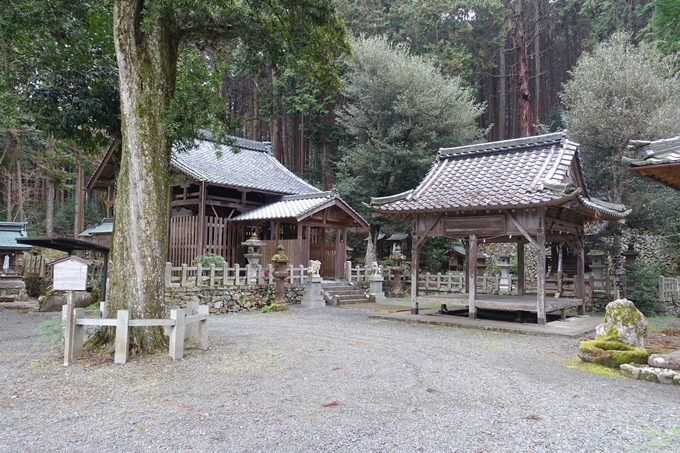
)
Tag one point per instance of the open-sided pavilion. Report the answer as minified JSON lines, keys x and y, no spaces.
{"x":527,"y":190}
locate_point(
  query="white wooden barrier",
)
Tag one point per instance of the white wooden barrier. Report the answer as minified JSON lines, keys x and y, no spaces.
{"x":180,"y":324}
{"x":186,"y":276}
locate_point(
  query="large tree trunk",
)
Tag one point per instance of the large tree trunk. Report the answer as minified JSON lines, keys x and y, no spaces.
{"x":525,"y":114}
{"x":147,"y":58}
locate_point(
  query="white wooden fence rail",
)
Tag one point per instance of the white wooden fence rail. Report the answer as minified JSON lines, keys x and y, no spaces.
{"x":189,"y":276}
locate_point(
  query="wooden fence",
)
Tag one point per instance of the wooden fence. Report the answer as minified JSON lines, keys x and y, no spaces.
{"x":191,"y":276}
{"x":454,"y":282}
{"x":669,"y":288}
{"x":40,"y":266}
{"x":180,"y":325}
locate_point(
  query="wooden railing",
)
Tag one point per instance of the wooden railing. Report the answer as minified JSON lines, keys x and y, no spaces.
{"x":191,"y":323}
{"x":189,"y":276}
{"x":669,"y":288}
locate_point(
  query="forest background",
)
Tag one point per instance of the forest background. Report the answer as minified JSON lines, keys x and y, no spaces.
{"x":526,"y":66}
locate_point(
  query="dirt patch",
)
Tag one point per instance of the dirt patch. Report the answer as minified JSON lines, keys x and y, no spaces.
{"x":663,"y":335}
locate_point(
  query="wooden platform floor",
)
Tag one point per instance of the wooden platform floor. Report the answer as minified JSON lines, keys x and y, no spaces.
{"x":504,"y":303}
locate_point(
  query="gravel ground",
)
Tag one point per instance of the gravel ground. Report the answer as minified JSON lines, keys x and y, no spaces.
{"x":328,"y":380}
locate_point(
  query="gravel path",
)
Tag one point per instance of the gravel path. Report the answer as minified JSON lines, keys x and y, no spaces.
{"x":328,"y":380}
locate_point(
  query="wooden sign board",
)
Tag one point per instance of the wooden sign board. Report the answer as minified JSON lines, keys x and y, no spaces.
{"x":489,"y":225}
{"x":70,"y":274}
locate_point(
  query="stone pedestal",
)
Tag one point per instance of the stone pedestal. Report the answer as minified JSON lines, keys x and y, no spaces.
{"x":376,"y":287}
{"x":313,"y":297}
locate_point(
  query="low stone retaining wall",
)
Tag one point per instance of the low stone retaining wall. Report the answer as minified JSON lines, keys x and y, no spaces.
{"x":231,"y":298}
{"x":12,"y":290}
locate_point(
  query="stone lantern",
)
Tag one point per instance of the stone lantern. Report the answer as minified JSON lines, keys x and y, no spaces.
{"x":631,"y":254}
{"x":597,"y":266}
{"x":397,"y":269}
{"x":253,"y":256}
{"x":505,"y":283}
{"x":280,"y":261}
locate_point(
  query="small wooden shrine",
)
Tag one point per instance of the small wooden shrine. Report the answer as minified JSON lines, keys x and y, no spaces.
{"x":223,"y":193}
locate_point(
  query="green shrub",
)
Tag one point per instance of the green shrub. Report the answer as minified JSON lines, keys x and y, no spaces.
{"x":208,"y":259}
{"x":642,"y":284}
{"x":35,"y":286}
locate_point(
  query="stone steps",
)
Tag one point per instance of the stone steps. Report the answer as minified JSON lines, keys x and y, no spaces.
{"x":345,"y":293}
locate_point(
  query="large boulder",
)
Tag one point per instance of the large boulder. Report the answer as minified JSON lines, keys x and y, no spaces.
{"x":56,"y":299}
{"x":623,"y":323}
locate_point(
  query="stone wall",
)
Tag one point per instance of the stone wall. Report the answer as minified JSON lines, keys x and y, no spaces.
{"x":231,"y":298}
{"x":12,"y":290}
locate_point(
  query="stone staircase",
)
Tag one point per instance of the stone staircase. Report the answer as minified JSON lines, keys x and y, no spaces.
{"x":343,"y":293}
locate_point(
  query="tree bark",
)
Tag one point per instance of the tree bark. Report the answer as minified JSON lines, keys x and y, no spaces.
{"x":49,"y":209}
{"x":78,"y":208}
{"x":537,"y":62}
{"x":501,"y":92}
{"x":20,"y":191}
{"x":525,"y":113}
{"x":147,"y":61}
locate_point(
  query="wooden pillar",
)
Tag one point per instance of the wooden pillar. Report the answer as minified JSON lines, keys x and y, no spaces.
{"x":339,"y":257}
{"x":540,"y":278}
{"x":472,"y":276}
{"x":200,"y":242}
{"x":521,"y":274}
{"x":109,"y":201}
{"x":580,"y":276}
{"x":415,"y":249}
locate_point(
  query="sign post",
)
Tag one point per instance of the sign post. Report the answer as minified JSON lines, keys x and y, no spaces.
{"x":70,"y":274}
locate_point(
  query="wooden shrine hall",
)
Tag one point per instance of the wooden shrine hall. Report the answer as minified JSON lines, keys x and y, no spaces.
{"x":528,"y":190}
{"x":223,"y":193}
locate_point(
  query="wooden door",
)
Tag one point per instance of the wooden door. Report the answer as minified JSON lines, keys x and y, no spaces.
{"x":322,"y":248}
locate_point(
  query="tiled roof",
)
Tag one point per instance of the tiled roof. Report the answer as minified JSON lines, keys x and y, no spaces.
{"x":251,"y":167}
{"x":299,"y":207}
{"x":658,"y":160}
{"x":9,"y":232}
{"x":654,"y":153}
{"x":106,"y":227}
{"x":532,"y":171}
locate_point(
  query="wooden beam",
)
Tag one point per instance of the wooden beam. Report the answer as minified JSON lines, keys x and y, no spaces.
{"x":540,"y":277}
{"x":561,"y":225}
{"x":520,"y":228}
{"x":472,"y":272}
{"x":201,"y":221}
{"x":423,"y":235}
{"x":415,"y":251}
{"x":189,"y":202}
